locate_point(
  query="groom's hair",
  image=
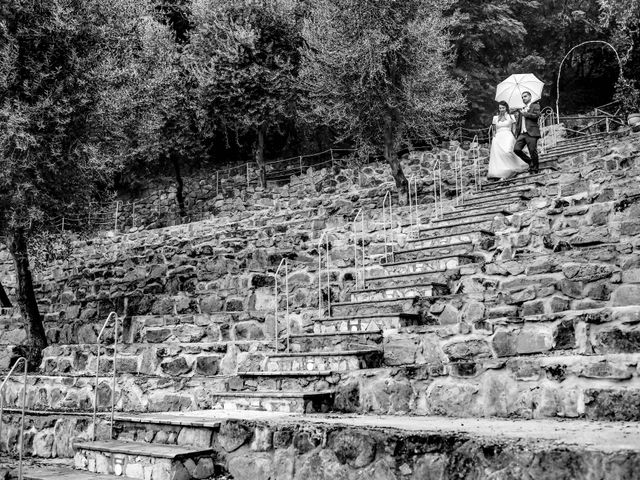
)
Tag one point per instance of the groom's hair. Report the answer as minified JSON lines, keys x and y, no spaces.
{"x":526,"y":91}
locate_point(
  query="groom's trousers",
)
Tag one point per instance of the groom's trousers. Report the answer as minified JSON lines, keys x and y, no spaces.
{"x":532,"y":145}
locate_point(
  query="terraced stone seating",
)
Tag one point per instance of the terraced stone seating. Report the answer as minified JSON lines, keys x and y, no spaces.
{"x":521,"y":302}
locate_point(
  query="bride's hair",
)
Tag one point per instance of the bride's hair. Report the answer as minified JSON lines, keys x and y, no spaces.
{"x":504,"y":104}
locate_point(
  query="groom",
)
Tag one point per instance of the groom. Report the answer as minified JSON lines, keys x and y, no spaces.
{"x":528,"y":132}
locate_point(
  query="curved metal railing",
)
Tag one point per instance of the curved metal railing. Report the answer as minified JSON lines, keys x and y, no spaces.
{"x":325,"y":236}
{"x":284,"y":262}
{"x":113,"y":388}
{"x":24,"y":401}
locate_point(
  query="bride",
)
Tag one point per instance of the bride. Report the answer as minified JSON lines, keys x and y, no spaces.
{"x":503,"y":163}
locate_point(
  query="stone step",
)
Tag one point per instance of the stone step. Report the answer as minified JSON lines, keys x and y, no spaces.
{"x":523,"y":179}
{"x":331,"y":341}
{"x":455,"y":248}
{"x":285,"y":381}
{"x":428,"y":264}
{"x":463,"y":216}
{"x":488,"y":204}
{"x":382,"y":281}
{"x":197,"y":328}
{"x":569,"y":149}
{"x":274,"y":401}
{"x":459,"y":227}
{"x":508,"y":190}
{"x":144,"y":460}
{"x":369,"y":307}
{"x":399,"y":291}
{"x":336,"y":361}
{"x":429,"y":447}
{"x":137,"y":359}
{"x":482,"y":237}
{"x":61,"y":473}
{"x":584,"y":138}
{"x":371,"y":323}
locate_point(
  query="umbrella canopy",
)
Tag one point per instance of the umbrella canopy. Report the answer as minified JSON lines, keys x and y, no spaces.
{"x":510,"y":90}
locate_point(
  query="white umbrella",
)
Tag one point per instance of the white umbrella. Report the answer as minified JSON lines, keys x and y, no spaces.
{"x":510,"y":90}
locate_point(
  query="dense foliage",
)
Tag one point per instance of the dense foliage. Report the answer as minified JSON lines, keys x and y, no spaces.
{"x":378,"y":71}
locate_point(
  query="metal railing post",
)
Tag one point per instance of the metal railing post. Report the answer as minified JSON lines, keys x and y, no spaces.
{"x":284,"y":262}
{"x":384,"y":224}
{"x":22,"y":414}
{"x":113,"y":389}
{"x":324,"y":236}
{"x":354,"y":229}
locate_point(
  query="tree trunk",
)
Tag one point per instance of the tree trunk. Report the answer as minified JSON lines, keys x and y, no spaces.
{"x":179,"y":184}
{"x":392,"y":159}
{"x":259,"y":155}
{"x":26,"y":298}
{"x":4,"y":298}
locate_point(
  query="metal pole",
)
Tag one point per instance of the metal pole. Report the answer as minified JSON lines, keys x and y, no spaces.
{"x":24,"y":402}
{"x":286,"y":287}
{"x":275,"y":321}
{"x":326,"y":239}
{"x":115,"y":226}
{"x":320,"y":277}
{"x":217,"y":181}
{"x":113,"y":389}
{"x":363,"y":247}
{"x":300,"y":164}
{"x":133,"y":214}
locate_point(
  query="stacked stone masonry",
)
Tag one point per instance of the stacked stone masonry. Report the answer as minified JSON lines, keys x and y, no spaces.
{"x":523,"y":301}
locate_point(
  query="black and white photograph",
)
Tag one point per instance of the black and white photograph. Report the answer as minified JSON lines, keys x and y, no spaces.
{"x":319,"y":239}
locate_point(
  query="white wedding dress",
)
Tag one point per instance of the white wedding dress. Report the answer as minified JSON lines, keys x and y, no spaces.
{"x":503,"y":163}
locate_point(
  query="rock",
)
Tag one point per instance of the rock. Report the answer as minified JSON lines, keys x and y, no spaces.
{"x":626,"y":295}
{"x":586,"y":272}
{"x":232,"y":436}
{"x":430,"y":466}
{"x":355,"y":449}
{"x":606,"y":369}
{"x":530,"y":341}
{"x":467,"y":349}
{"x":208,"y":365}
{"x":504,"y":343}
{"x":200,"y":437}
{"x":251,"y":466}
{"x":320,"y":465}
{"x":401,"y":349}
{"x":204,"y":469}
{"x":617,"y":341}
{"x":612,"y":404}
{"x":179,"y":366}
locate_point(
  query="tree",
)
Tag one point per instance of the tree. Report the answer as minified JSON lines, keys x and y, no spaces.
{"x":155,"y":97}
{"x":52,"y":123}
{"x":245,"y":56}
{"x":378,"y":70}
{"x":487,"y":36}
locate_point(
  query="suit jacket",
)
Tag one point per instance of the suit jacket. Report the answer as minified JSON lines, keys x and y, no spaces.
{"x":530,"y":120}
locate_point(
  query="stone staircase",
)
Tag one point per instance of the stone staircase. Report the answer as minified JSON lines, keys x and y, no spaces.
{"x":475,"y":314}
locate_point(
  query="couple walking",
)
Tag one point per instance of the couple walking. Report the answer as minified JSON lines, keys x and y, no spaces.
{"x":512,"y":133}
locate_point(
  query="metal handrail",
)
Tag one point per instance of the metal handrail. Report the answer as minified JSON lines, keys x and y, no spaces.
{"x":24,"y":401}
{"x":355,"y":246}
{"x":284,"y":262}
{"x":324,"y":235}
{"x":413,"y":201}
{"x":387,"y":244}
{"x":457,"y":172}
{"x":474,"y":149}
{"x":437,"y":188}
{"x":113,"y":388}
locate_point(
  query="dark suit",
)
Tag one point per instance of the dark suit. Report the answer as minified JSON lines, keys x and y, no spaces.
{"x":530,"y":137}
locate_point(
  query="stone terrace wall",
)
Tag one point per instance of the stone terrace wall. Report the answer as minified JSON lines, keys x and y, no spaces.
{"x":206,"y":194}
